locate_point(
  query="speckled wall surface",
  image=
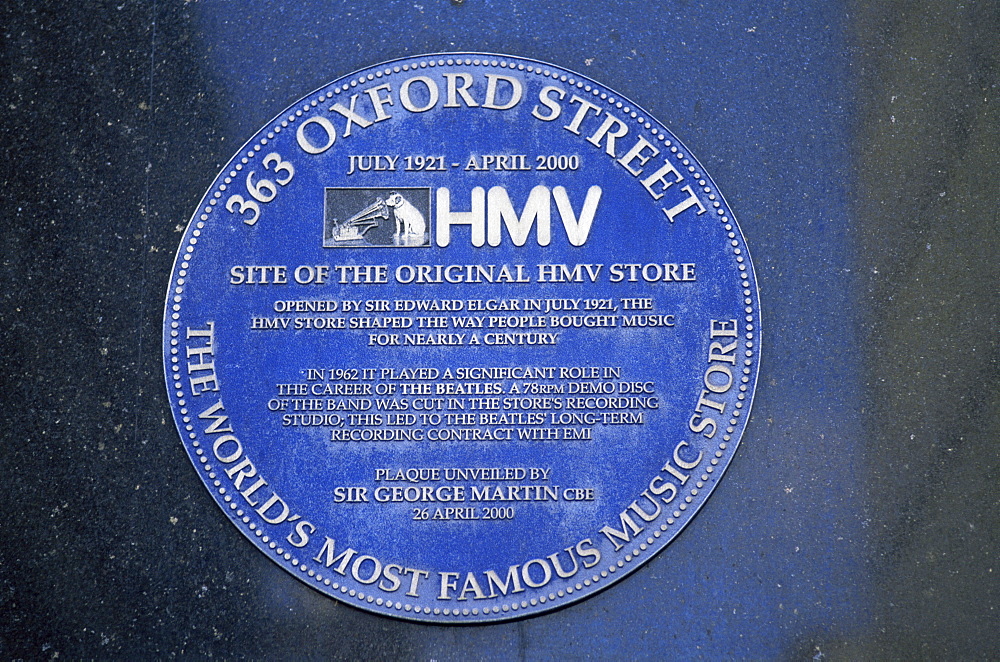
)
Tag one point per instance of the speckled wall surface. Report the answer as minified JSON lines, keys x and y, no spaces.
{"x":858,"y":145}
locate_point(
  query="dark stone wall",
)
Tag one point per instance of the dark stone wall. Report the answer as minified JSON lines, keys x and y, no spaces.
{"x":857,"y":143}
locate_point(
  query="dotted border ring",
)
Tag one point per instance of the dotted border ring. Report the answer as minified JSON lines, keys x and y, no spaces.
{"x":238,"y":515}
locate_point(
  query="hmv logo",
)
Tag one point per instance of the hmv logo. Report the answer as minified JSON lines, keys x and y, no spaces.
{"x":490,"y":213}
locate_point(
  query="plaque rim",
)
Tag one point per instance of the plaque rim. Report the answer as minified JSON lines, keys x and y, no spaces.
{"x":617,"y":571}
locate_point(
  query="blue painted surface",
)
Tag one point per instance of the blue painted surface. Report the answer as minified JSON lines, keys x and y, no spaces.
{"x":709,"y":306}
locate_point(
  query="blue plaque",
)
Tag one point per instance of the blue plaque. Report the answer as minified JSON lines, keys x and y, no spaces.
{"x":461,"y":338}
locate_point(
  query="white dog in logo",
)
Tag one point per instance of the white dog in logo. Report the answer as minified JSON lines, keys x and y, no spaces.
{"x":409,"y":221}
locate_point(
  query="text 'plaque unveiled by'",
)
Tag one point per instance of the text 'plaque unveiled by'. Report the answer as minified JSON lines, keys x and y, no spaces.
{"x":461,"y":338}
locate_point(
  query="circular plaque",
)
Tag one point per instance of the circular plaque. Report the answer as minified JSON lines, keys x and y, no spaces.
{"x":462,"y":338}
